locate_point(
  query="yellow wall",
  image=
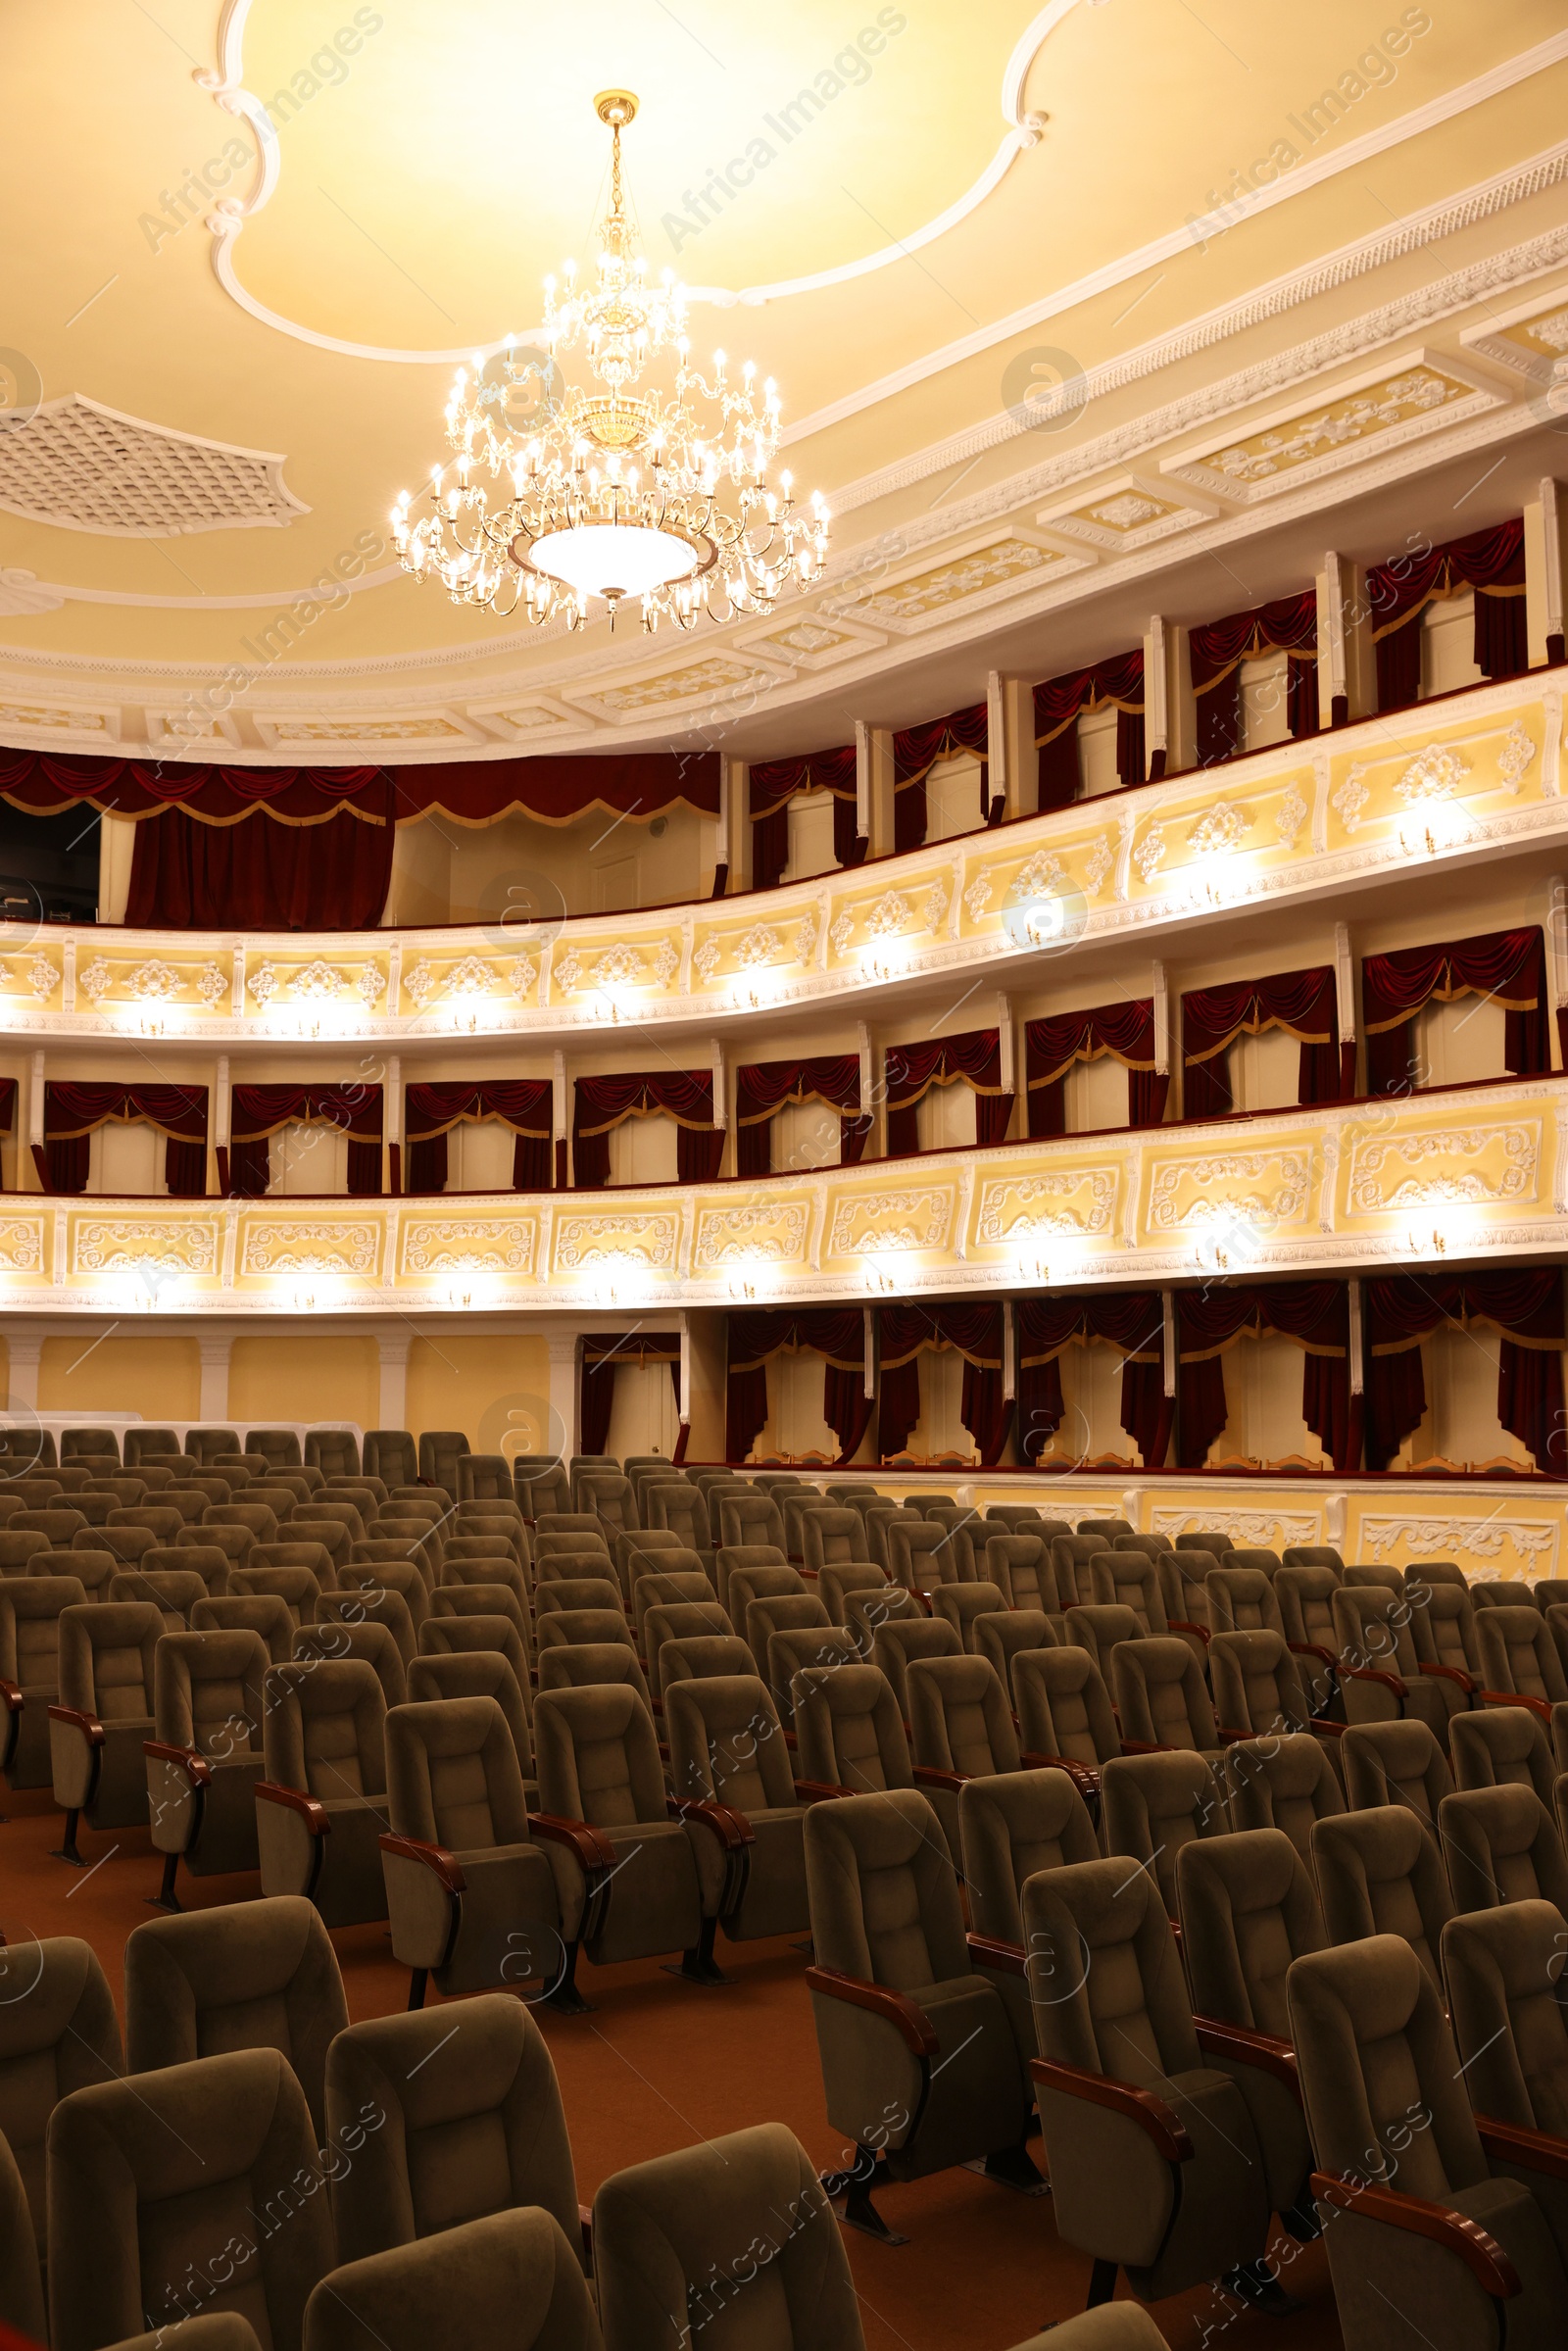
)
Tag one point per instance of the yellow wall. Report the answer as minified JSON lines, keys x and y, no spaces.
{"x":158,"y":1378}
{"x":305,"y":1378}
{"x":497,"y":1391}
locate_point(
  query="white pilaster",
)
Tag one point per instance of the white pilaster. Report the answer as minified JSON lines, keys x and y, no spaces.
{"x":215,"y":1355}
{"x":564,"y":1355}
{"x":393,"y":1401}
{"x":23,"y":1349}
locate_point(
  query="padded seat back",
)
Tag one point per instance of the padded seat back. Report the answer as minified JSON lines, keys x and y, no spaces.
{"x":1378,"y":1873}
{"x":61,"y":2034}
{"x":884,"y":1893}
{"x":1518,"y":1654}
{"x":1160,"y":1695}
{"x":611,"y":1497}
{"x":106,"y":1659}
{"x":336,"y":1453}
{"x":749,"y":1516}
{"x":149,"y":1445}
{"x":1018,"y":1563}
{"x":453,"y":1776}
{"x":365,"y":1642}
{"x":1501,"y":1845}
{"x":726,"y":1743}
{"x":1152,"y":1806}
{"x":1448,"y":1621}
{"x":1496,"y":1747}
{"x":1248,"y":1908}
{"x":1070,"y":1557}
{"x":900,"y":1640}
{"x":679,"y":1507}
{"x":379,"y":1607}
{"x":1240,"y":1600}
{"x":960,"y":1718}
{"x":260,"y":1613}
{"x":691,"y":1659}
{"x":1129,"y":1579}
{"x":965,"y":1607}
{"x":1504,"y":1973}
{"x":477,"y":1674}
{"x":295,"y":1586}
{"x":206,"y":1692}
{"x":1285,"y":1784}
{"x":920,"y":1552}
{"x":848,"y":1728}
{"x":324,"y":1728}
{"x":1396,"y":1763}
{"x":598,"y":1757}
{"x":1257,"y":1688}
{"x":1063,"y":1707}
{"x":440,"y":1451}
{"x":1372,"y":1631}
{"x":833,"y":1537}
{"x":482,"y":1477}
{"x":1101,"y":1631}
{"x":1266,"y":1562}
{"x":1102,"y":1931}
{"x":1012,"y":1823}
{"x":573,"y":1665}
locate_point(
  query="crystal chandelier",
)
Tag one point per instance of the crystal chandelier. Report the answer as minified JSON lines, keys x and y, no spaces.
{"x":624,"y":489}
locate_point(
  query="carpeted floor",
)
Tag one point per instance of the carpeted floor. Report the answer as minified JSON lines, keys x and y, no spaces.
{"x":660,"y":2064}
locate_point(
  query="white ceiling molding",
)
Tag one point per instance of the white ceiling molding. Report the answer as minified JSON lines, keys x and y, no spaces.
{"x":1448,"y":217}
{"x":1175,"y":241}
{"x":82,"y":466}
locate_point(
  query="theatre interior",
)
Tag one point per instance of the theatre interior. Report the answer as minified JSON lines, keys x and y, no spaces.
{"x":783,"y":1177}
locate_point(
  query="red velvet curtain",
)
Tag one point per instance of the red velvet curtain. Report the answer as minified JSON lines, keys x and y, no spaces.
{"x":1062,"y":702}
{"x":1288,"y":625}
{"x":1132,"y":1320}
{"x":917,"y":751}
{"x":1123,"y":1032}
{"x":260,"y":1112}
{"x":1301,"y":1002}
{"x":602,"y":1358}
{"x":262,"y":875}
{"x":1509,"y":967}
{"x":1316,"y":1314}
{"x":1524,"y":1304}
{"x":912,"y":1070}
{"x":774,"y":784}
{"x":905,"y":1333}
{"x":764,"y":1088}
{"x":601,"y":1104}
{"x":1491,"y":562}
{"x":756,"y":1334}
{"x":431,"y":1112}
{"x":72,"y":1111}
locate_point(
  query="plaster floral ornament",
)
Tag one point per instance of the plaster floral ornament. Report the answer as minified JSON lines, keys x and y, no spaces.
{"x":469,"y":977}
{"x":1216,"y":833}
{"x":1289,"y":816}
{"x":371,"y":985}
{"x":1352,"y":798}
{"x":568,"y":971}
{"x":843,"y":932}
{"x":759,"y":946}
{"x":1514,"y":759}
{"x":705,"y":962}
{"x":805,"y":937}
{"x":262,"y":983}
{"x":935,"y":910}
{"x":887,"y":918}
{"x":43,"y":977}
{"x":1098,"y":866}
{"x":666,"y":964}
{"x":1431,"y":775}
{"x":211,"y":985}
{"x":1150,"y":854}
{"x":978,"y":896}
{"x":420,"y":984}
{"x":524,"y":976}
{"x":317,"y":982}
{"x":96,"y":981}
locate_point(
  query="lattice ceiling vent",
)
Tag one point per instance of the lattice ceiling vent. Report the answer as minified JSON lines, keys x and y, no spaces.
{"x":87,"y":467}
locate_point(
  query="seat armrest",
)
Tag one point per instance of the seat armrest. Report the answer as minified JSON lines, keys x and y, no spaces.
{"x":1481,"y":2254}
{"x":1179,"y":1624}
{"x":593,"y":1849}
{"x":1373,"y":1673}
{"x":732,"y":1829}
{"x":1320,"y":1724}
{"x":895,"y":2008}
{"x":91,"y":1728}
{"x":1532,"y":2150}
{"x":1313,"y":1649}
{"x":585,"y":2221}
{"x":314,"y":1814}
{"x":1006,"y":1958}
{"x":1243,"y":2046}
{"x":931,"y":1775}
{"x":1231,"y":1739}
{"x":1452,"y":1673}
{"x":1153,"y":2117}
{"x":1488,"y":1697}
{"x":435,"y":1858}
{"x":814,"y":1792}
{"x":196,"y":1768}
{"x":11,"y":1697}
{"x":1083,"y":1776}
{"x":1146,"y":1747}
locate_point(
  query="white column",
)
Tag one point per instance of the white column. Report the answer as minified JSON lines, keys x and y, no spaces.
{"x":1543,"y":574}
{"x":564,"y":1354}
{"x":1333,"y":667}
{"x":1344,"y":983}
{"x":558,"y":1121}
{"x":392,"y":1122}
{"x":739,"y":836}
{"x":727,"y":772}
{"x":23,"y":1349}
{"x":28,"y":1178}
{"x":117,"y":846}
{"x":222,"y":1115}
{"x":214,"y":1354}
{"x":1180,"y":703}
{"x":392,"y":1404}
{"x":1156,"y":700}
{"x":999,"y":766}
{"x":881,"y":789}
{"x":862,"y":780}
{"x":684,"y":1409}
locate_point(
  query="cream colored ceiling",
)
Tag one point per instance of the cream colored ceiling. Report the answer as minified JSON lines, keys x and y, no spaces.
{"x":428,"y":181}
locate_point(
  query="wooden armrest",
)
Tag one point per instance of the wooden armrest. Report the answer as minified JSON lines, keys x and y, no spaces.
{"x":1321,"y":1723}
{"x":931,"y":1775}
{"x":88,"y":1725}
{"x":812,"y":1792}
{"x":436,"y":1858}
{"x":1532,"y":2150}
{"x":1141,"y":2106}
{"x":1488,"y":1697}
{"x":895,"y":2008}
{"x":1006,"y":1958}
{"x":11,"y":1697}
{"x":1481,"y":2254}
{"x":1231,"y":1739}
{"x":1373,"y":1673}
{"x":1261,"y":2049}
{"x":1452,"y":1673}
{"x":1083,"y":1776}
{"x":585,"y":2221}
{"x":1179,"y":1624}
{"x":732,"y":1829}
{"x":1144,"y":1747}
{"x":592,"y":1848}
{"x":313,"y":1813}
{"x":196,"y":1768}
{"x":1313,"y":1649}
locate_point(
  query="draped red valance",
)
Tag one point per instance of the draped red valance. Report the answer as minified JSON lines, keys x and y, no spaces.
{"x":973,"y":1331}
{"x":764,"y":1088}
{"x":1489,"y":561}
{"x":1508,"y":966}
{"x":1524,"y":1304}
{"x":262,"y":1111}
{"x":1315,"y":1315}
{"x":73,"y":1111}
{"x":1216,"y":652}
{"x":1130,"y":1320}
{"x":1305,"y":1004}
{"x":604,"y":1103}
{"x":909,"y":1071}
{"x":1061,"y":701}
{"x":757,"y":1335}
{"x":552,"y":788}
{"x":602,"y":1358}
{"x":431,"y":1111}
{"x":774,"y":784}
{"x":331,"y":873}
{"x":917,"y":751}
{"x":1122,"y":1033}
